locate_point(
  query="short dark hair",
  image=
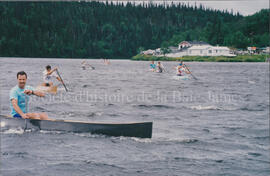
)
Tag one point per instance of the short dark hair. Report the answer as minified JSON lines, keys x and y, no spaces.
{"x":48,"y":67}
{"x":21,"y":73}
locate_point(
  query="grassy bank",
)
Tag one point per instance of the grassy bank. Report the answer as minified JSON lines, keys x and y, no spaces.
{"x":242,"y":58}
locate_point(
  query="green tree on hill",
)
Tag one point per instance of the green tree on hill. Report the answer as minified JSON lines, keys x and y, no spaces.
{"x":94,"y":29}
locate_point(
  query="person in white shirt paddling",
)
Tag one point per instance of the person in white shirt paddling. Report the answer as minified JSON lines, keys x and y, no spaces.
{"x":48,"y":74}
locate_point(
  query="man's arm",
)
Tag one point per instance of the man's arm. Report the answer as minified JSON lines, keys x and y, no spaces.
{"x":38,"y":93}
{"x":50,"y":72}
{"x":32,"y":92}
{"x":17,"y":108}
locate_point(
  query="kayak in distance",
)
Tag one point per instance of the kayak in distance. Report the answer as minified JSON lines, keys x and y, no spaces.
{"x":137,"y":129}
{"x":185,"y":77}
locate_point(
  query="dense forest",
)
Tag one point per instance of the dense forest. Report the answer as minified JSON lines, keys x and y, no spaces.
{"x":95,"y":30}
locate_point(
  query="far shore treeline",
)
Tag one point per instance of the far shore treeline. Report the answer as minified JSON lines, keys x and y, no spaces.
{"x":106,"y":30}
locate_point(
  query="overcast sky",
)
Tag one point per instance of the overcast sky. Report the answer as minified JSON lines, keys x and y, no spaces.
{"x":244,"y":7}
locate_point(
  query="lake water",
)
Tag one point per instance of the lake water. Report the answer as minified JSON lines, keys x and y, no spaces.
{"x":216,"y":125}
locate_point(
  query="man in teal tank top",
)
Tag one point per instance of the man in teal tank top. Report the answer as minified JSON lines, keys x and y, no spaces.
{"x":19,"y":98}
{"x":152,"y":66}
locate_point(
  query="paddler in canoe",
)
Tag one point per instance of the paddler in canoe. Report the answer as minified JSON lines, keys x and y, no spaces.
{"x":19,"y":98}
{"x":152,"y":66}
{"x":84,"y":65}
{"x":181,"y":69}
{"x":160,"y":68}
{"x":47,"y":85}
{"x":106,"y":61}
{"x":48,"y":74}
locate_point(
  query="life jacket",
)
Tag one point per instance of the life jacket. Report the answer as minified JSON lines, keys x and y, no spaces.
{"x":179,"y":70}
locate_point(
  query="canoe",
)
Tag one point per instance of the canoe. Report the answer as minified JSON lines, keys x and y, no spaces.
{"x":186,"y":77}
{"x":141,"y":129}
{"x":88,"y":66}
{"x":51,"y":89}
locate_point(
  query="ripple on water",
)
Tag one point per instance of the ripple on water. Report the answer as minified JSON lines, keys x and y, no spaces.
{"x":162,"y":141}
{"x":257,"y":107}
{"x":144,"y":106}
{"x":196,"y":144}
{"x":254,"y":154}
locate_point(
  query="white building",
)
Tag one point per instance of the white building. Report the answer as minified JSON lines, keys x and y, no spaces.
{"x":221,"y":51}
{"x":187,"y":48}
{"x":193,"y":48}
{"x":266,"y":50}
{"x":148,"y":52}
{"x":186,"y":44}
{"x":203,"y":51}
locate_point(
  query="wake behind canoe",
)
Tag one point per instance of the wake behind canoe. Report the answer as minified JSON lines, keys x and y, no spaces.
{"x":141,"y":129}
{"x":186,"y":77}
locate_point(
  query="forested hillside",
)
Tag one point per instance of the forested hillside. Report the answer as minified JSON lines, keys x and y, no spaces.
{"x":94,"y":30}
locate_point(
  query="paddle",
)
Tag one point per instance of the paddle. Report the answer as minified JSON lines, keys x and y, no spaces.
{"x":190,"y":72}
{"x":26,"y":111}
{"x":93,"y":68}
{"x":61,"y":79}
{"x":164,"y":70}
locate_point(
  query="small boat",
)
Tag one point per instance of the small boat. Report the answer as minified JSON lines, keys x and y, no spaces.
{"x":89,"y":67}
{"x":159,"y":71}
{"x":141,"y":129}
{"x":48,"y":89}
{"x":186,"y":77}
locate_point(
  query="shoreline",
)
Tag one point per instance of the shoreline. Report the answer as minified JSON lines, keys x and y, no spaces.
{"x":240,"y":58}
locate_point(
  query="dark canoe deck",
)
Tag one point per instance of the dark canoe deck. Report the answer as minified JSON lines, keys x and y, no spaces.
{"x":141,"y":129}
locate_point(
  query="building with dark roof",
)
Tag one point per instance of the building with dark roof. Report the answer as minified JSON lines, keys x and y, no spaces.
{"x":187,"y":44}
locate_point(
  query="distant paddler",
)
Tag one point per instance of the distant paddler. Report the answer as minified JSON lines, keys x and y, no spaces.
{"x":19,"y":98}
{"x":181,"y":70}
{"x":153,"y":66}
{"x":160,"y":68}
{"x":48,"y":74}
{"x":47,"y":85}
{"x":84,"y":65}
{"x":106,"y":61}
{"x":187,"y":69}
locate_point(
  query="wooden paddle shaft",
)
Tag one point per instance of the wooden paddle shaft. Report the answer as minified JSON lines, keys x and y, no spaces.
{"x":190,"y":72}
{"x":61,"y":80}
